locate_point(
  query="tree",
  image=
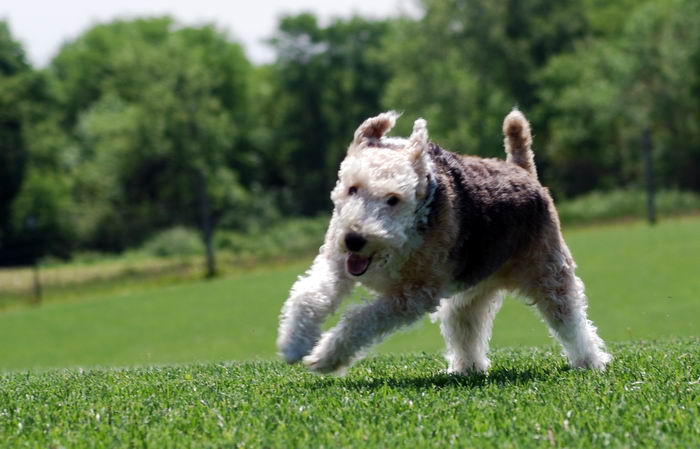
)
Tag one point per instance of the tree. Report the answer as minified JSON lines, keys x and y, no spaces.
{"x":13,"y":156}
{"x":580,"y":96}
{"x":25,"y":230}
{"x":608,"y":93}
{"x":464,"y":65}
{"x":325,"y":82}
{"x":160,"y":118}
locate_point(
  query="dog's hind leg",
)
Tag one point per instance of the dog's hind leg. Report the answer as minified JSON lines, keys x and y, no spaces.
{"x":560,"y":298}
{"x":313,"y":297}
{"x":466,"y":321}
{"x":365,"y":325}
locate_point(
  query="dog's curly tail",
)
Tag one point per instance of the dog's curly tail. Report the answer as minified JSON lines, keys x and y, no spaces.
{"x":518,"y":140}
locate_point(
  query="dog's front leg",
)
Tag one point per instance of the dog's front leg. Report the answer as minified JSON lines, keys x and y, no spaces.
{"x":365,"y":325}
{"x":313,"y":297}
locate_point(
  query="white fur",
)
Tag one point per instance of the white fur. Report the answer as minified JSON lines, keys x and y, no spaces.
{"x":313,"y":297}
{"x":378,"y":168}
{"x":466,"y":324}
{"x":576,"y":333}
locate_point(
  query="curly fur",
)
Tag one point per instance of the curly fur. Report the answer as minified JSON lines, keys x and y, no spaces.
{"x":441,"y":233}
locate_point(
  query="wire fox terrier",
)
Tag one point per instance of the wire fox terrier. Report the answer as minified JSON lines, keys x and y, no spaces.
{"x":432,"y":231}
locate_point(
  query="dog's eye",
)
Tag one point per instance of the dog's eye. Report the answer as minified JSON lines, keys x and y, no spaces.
{"x":393,"y":200}
{"x":352,"y":190}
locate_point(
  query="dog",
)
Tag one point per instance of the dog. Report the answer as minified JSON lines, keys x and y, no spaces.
{"x":431,"y":231}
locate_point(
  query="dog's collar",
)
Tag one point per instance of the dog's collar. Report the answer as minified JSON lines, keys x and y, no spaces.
{"x":424,"y":207}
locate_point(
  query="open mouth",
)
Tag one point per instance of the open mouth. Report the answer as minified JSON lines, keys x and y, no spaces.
{"x":357,"y":264}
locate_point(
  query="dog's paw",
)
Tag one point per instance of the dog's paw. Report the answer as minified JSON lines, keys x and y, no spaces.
{"x":324,"y":364}
{"x":293,"y":350}
{"x":292,"y":355}
{"x":324,"y":359}
{"x":467,"y":368}
{"x":597,"y":361}
{"x":466,"y":372}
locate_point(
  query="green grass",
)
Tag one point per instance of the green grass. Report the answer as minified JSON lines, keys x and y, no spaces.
{"x":649,"y":397}
{"x":643,"y":286}
{"x":643,"y":282}
{"x":206,"y":320}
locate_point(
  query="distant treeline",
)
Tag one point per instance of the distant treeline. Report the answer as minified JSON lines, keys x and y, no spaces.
{"x":140,"y":125}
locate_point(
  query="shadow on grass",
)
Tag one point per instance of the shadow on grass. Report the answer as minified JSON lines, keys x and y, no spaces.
{"x":497,"y":376}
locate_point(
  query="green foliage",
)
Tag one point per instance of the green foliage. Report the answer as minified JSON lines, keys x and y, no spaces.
{"x":595,"y":207}
{"x":159,"y":119}
{"x":149,"y":118}
{"x":108,"y":58}
{"x":287,"y":239}
{"x":602,"y":96}
{"x":325,"y":82}
{"x":39,"y":223}
{"x":583,"y":148}
{"x":145,"y":124}
{"x":14,"y":92}
{"x":591,"y":75}
{"x":464,"y":65}
{"x":12,"y":58}
{"x":647,"y":398}
{"x":177,"y":241}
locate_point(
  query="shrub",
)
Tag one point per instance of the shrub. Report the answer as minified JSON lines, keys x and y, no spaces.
{"x":177,"y":241}
{"x":619,"y":204}
{"x":295,"y":236}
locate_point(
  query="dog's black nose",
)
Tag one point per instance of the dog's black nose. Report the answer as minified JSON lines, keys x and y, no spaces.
{"x":354,"y":241}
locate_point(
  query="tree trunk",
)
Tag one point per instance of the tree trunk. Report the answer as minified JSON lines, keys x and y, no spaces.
{"x":649,"y":176}
{"x":207,"y":226}
{"x":36,"y":284}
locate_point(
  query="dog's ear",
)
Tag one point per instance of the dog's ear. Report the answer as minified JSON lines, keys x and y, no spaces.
{"x":374,"y":129}
{"x":417,"y":153}
{"x":418,"y":142}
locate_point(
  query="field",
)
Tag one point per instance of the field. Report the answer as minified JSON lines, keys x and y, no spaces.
{"x":649,"y":398}
{"x":197,"y":367}
{"x":642,"y":283}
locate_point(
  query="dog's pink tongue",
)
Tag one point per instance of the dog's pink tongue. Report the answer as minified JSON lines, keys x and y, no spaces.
{"x":357,"y":265}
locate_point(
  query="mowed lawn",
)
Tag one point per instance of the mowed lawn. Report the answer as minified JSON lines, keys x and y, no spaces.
{"x":643,"y":283}
{"x":648,"y":398}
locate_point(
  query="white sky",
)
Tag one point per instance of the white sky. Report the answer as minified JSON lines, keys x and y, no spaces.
{"x":42,"y":26}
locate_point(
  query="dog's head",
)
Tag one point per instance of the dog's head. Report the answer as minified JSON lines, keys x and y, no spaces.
{"x":382,"y":185}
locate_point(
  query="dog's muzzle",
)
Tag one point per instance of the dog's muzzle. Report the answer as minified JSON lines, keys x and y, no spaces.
{"x":354,"y":242}
{"x":357,"y":264}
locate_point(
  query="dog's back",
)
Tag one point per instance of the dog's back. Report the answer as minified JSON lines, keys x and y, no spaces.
{"x":500,"y":209}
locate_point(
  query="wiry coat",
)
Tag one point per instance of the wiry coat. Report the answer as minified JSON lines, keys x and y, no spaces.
{"x":430,"y":230}
{"x":498,"y":208}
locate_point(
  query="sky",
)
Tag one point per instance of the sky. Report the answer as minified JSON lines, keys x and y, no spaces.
{"x":42,"y":26}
